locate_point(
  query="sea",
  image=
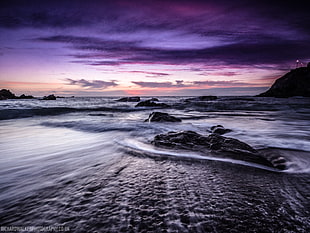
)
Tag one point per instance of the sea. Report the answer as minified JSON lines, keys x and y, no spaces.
{"x":87,"y":164}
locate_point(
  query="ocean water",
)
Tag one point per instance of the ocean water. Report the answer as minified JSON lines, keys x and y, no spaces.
{"x":87,"y":165}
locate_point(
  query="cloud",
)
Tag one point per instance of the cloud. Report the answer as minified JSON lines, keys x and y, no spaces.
{"x":107,"y":52}
{"x":178,"y":84}
{"x":191,"y":84}
{"x":95,"y":84}
{"x":222,"y":83}
{"x":149,"y":74}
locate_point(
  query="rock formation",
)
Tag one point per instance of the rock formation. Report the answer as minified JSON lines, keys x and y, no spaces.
{"x":49,"y":97}
{"x":294,"y":83}
{"x":223,"y":147}
{"x":6,"y":94}
{"x":150,"y":103}
{"x":23,"y":96}
{"x":162,"y":117}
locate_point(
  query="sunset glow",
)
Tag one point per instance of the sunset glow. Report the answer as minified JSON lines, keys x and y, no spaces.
{"x":113,"y":48}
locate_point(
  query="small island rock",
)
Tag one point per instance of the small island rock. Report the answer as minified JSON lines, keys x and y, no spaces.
{"x":49,"y":97}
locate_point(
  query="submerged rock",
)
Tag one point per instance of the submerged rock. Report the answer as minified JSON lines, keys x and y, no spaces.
{"x":214,"y":144}
{"x":150,"y":103}
{"x":202,"y":98}
{"x":129,"y":99}
{"x":294,"y":83}
{"x":162,"y":117}
{"x":6,"y":94}
{"x":219,"y":129}
{"x":49,"y":97}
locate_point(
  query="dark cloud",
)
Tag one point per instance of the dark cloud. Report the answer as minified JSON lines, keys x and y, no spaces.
{"x":96,"y":84}
{"x":115,"y":52}
{"x":226,"y":32}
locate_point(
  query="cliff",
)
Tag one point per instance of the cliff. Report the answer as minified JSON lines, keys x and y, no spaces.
{"x":294,"y":83}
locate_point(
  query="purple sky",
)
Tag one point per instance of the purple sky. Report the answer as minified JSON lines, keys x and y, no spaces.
{"x":149,"y":47}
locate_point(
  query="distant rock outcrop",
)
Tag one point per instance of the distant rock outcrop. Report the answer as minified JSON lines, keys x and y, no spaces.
{"x":49,"y":97}
{"x":6,"y":94}
{"x":162,"y":117}
{"x":294,"y":83}
{"x":23,"y":96}
{"x":129,"y":99}
{"x":223,"y":147}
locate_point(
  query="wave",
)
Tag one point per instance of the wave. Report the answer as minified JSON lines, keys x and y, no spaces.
{"x":6,"y":114}
{"x":90,"y":127}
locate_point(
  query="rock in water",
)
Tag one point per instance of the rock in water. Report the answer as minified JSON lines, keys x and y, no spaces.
{"x":217,"y":145}
{"x":50,"y":97}
{"x":294,"y":83}
{"x":23,"y":96}
{"x":6,"y":94}
{"x":129,"y":99}
{"x":162,"y":117}
{"x":219,"y":129}
{"x":149,"y":103}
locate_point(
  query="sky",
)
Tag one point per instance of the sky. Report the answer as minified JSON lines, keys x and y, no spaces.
{"x":150,"y":47}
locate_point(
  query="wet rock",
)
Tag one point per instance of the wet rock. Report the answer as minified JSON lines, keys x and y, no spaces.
{"x":129,"y":99}
{"x":154,"y":99}
{"x":49,"y":97}
{"x":162,"y":117}
{"x":219,"y":129}
{"x":6,"y":94}
{"x":219,"y":146}
{"x":294,"y":83}
{"x":202,"y":98}
{"x":149,"y":103}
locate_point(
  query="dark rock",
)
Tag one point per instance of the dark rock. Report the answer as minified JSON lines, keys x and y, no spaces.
{"x":149,"y":103}
{"x":162,"y":117}
{"x":49,"y":97}
{"x":294,"y":83}
{"x":219,"y":129}
{"x":23,"y":96}
{"x":214,"y":144}
{"x":202,"y":98}
{"x":129,"y":99}
{"x":6,"y":94}
{"x":154,"y":99}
